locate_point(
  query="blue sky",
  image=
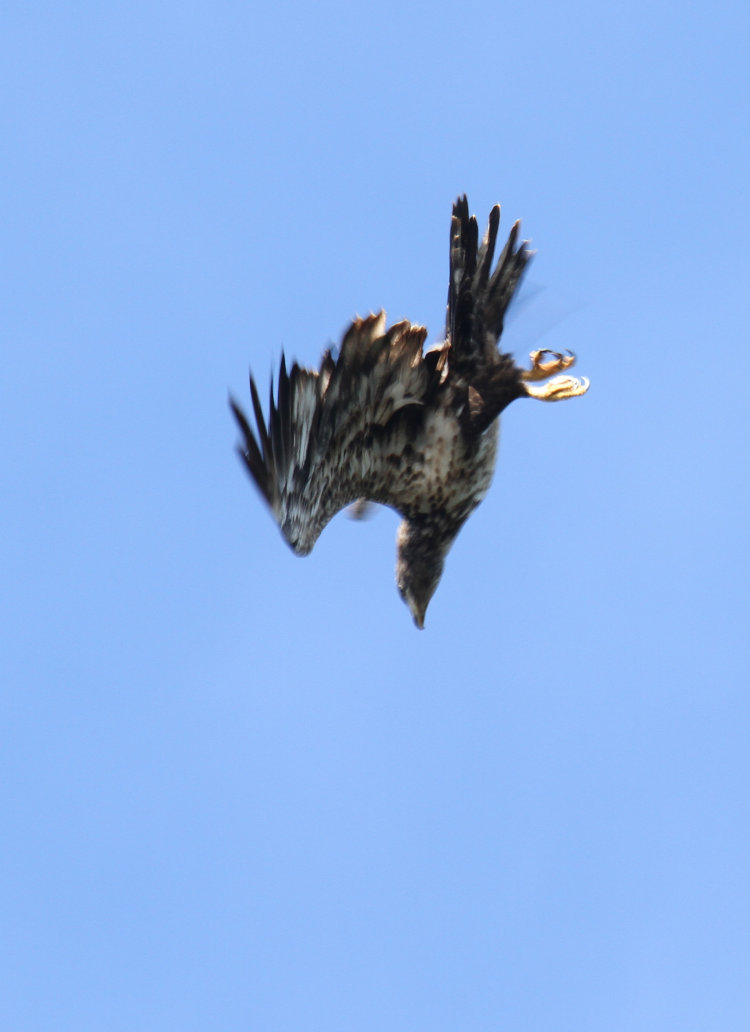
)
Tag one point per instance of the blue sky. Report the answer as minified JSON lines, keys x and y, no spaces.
{"x":239,"y":790}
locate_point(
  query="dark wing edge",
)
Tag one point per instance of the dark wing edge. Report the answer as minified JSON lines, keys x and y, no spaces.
{"x":305,"y":458}
{"x":478,"y":298}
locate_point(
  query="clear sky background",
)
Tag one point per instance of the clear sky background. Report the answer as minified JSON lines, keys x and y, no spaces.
{"x":239,"y":790}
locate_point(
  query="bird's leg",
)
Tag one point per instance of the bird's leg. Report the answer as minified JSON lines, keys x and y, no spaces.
{"x":545,"y":363}
{"x":362,"y":509}
{"x":558,"y":389}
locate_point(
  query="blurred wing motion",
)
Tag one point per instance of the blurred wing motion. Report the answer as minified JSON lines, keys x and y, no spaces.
{"x":332,"y":436}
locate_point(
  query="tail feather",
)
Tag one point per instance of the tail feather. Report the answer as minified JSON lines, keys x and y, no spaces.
{"x":477,"y":298}
{"x":504,"y":282}
{"x":487,"y":250}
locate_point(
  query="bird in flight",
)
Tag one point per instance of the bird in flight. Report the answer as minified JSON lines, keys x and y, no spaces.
{"x":383,"y":421}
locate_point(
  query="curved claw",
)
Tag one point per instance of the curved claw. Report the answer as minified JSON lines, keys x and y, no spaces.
{"x":543,"y":366}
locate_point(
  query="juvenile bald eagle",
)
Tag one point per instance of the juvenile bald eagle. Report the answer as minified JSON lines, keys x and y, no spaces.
{"x":385,"y":422}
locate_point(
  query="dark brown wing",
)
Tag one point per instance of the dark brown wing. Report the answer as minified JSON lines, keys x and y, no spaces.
{"x":326,"y":441}
{"x":477,"y":297}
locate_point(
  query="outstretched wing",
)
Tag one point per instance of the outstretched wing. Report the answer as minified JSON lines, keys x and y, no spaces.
{"x":331,"y":436}
{"x":477,"y":297}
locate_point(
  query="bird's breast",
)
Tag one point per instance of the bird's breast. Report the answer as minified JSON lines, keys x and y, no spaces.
{"x":442,"y":470}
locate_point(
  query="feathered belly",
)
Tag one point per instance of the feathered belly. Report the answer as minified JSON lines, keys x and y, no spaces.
{"x":427,"y":470}
{"x":440,"y":470}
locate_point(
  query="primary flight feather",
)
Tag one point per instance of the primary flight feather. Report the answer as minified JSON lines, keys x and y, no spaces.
{"x":386,"y":422}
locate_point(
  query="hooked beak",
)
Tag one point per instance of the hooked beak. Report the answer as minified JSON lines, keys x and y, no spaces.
{"x":418,"y":615}
{"x":417,"y":611}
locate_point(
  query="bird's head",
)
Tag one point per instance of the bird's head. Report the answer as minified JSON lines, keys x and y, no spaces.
{"x":420,"y":556}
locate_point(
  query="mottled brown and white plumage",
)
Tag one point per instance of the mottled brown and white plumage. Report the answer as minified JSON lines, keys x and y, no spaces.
{"x":385,"y":422}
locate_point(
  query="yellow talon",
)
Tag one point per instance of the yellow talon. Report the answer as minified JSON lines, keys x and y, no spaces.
{"x":545,"y":363}
{"x":558,"y":389}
